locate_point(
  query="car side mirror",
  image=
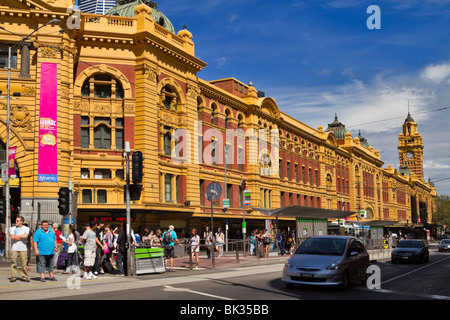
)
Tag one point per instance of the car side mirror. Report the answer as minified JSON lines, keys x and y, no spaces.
{"x":353,"y":253}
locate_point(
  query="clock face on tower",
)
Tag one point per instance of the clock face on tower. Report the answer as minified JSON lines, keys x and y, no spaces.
{"x":409,"y":155}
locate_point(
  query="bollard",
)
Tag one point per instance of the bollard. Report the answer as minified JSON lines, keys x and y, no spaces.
{"x":190,"y":260}
{"x":237,"y":256}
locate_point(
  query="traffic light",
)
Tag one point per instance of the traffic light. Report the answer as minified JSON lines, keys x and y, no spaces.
{"x":137,"y":170}
{"x":63,"y":201}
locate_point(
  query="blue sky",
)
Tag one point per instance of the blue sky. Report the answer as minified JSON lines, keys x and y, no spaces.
{"x":317,"y":58}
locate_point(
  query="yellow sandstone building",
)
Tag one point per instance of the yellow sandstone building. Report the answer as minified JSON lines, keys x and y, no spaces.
{"x":128,"y":76}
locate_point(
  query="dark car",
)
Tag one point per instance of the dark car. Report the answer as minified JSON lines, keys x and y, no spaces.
{"x":411,"y":250}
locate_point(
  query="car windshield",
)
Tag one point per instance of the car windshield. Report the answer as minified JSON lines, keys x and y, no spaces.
{"x":445,"y":241}
{"x":409,"y":244}
{"x":322,"y":246}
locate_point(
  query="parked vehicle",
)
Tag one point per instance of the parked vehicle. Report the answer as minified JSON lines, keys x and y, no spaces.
{"x":411,"y":250}
{"x":328,"y":261}
{"x":444,"y":245}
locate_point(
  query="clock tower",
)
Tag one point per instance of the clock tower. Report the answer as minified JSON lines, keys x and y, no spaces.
{"x":410,"y":148}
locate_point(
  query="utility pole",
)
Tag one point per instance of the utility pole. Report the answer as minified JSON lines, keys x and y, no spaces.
{"x":8,"y":132}
{"x":127,"y":197}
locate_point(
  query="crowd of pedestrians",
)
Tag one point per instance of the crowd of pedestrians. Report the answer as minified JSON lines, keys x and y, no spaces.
{"x":101,"y":248}
{"x":261,"y":240}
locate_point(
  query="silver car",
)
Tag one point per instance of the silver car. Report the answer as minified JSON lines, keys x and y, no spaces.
{"x":327,"y":261}
{"x":444,"y":245}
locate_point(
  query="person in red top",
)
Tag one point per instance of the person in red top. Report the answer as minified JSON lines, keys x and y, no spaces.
{"x":59,"y":242}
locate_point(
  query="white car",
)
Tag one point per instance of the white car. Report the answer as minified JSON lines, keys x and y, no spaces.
{"x":444,"y":245}
{"x":327,"y":261}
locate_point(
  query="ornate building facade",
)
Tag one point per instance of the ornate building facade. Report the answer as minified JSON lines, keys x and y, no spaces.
{"x":128,"y":76}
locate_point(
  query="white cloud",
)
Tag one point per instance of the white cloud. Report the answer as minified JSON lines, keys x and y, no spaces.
{"x":436,"y":73}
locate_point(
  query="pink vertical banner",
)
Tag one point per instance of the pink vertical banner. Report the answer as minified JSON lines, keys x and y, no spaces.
{"x":12,"y":161}
{"x":48,"y":150}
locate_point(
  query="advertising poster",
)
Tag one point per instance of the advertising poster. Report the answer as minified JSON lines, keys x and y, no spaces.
{"x":48,"y":149}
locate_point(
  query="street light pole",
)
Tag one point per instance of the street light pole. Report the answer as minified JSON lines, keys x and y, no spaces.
{"x":127,"y":197}
{"x":8,"y":204}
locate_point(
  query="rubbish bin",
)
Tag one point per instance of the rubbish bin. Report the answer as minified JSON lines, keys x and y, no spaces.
{"x":149,"y":260}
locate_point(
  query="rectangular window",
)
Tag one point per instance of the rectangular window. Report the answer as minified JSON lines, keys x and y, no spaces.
{"x":168,"y":188}
{"x":102,"y":137}
{"x":84,"y":174}
{"x":303,"y":174}
{"x":280,"y":168}
{"x":101,"y":196}
{"x":288,"y":170}
{"x":102,"y":174}
{"x":85,"y":132}
{"x":4,"y":53}
{"x":86,"y":196}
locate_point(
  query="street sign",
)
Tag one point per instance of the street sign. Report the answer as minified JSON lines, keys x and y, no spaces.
{"x":363,"y":214}
{"x":4,"y":172}
{"x":244,"y":227}
{"x":226,"y":203}
{"x":213,"y":191}
{"x":247,"y":198}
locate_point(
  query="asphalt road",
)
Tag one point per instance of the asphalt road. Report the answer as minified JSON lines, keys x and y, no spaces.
{"x":429,"y":281}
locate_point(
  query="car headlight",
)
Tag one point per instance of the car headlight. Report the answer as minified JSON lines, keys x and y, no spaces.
{"x":288,"y":264}
{"x":335,"y":265}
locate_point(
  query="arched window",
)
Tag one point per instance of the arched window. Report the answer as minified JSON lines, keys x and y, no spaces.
{"x":104,"y":86}
{"x":169,"y":98}
{"x":227,"y":118}
{"x":167,"y":143}
{"x":213,"y":113}
{"x":240,"y":122}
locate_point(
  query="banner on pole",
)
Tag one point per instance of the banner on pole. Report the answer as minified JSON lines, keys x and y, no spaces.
{"x":48,"y":149}
{"x":12,"y":161}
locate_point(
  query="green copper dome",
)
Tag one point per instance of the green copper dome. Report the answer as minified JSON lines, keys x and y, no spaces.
{"x":125,"y":8}
{"x":337,"y":128}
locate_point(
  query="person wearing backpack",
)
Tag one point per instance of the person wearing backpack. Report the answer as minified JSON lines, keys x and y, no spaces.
{"x":168,"y":241}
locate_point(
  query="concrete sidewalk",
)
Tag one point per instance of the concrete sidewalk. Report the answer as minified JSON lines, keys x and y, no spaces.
{"x":181,"y":267}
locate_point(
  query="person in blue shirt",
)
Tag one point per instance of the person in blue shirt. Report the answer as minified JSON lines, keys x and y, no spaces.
{"x":45,"y":246}
{"x":168,"y":239}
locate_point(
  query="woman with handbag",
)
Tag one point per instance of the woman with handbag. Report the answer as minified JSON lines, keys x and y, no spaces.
{"x":267,"y":240}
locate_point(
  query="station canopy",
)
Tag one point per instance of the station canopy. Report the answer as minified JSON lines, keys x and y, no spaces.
{"x":305,"y":212}
{"x":375,"y":223}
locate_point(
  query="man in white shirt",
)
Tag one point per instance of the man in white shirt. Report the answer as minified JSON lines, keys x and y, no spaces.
{"x":19,"y":235}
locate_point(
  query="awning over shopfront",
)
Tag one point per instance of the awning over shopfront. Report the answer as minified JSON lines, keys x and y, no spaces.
{"x":374,"y":223}
{"x":305,"y":212}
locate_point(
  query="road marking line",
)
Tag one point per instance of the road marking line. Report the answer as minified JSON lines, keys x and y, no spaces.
{"x":172,"y":289}
{"x":411,"y":272}
{"x":422,"y":295}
